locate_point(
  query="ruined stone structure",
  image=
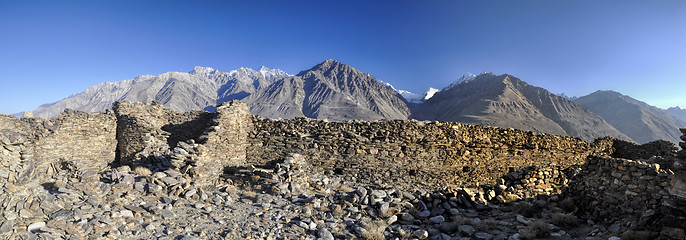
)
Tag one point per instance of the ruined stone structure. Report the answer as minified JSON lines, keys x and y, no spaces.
{"x":615,"y":181}
{"x":32,"y":147}
{"x":200,"y":142}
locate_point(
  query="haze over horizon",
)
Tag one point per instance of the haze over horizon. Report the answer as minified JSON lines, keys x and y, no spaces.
{"x":53,"y":49}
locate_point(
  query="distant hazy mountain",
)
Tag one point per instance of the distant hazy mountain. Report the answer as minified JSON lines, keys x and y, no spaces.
{"x":418,"y":97}
{"x":506,"y":101}
{"x":640,"y":121}
{"x":330,"y":90}
{"x":677,"y":112}
{"x":422,"y":97}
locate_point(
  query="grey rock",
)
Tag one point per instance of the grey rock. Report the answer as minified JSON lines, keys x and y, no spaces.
{"x":514,"y":237}
{"x":406,"y":217}
{"x":420,"y":234}
{"x":437,"y":219}
{"x":190,"y":193}
{"x":424,"y":214}
{"x":188,"y":237}
{"x":126,"y":213}
{"x":523,"y":219}
{"x":361,"y":191}
{"x":466,"y":229}
{"x":35,"y":227}
{"x":383,"y":209}
{"x":325,"y":234}
{"x":170,"y":181}
{"x":391,"y":219}
{"x":166,"y":213}
{"x":483,"y":236}
{"x":379,"y":193}
{"x":7,"y":226}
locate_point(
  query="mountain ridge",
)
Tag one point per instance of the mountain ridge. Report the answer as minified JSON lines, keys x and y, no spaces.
{"x":506,"y":101}
{"x":639,"y":120}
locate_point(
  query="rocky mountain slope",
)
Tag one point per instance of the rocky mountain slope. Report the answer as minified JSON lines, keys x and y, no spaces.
{"x":677,"y":112}
{"x":638,"y":120}
{"x":330,"y":90}
{"x":506,"y":101}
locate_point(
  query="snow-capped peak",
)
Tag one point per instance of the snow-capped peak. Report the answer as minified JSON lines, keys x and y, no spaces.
{"x":203,"y":70}
{"x":465,"y":78}
{"x":273,"y":73}
{"x":416,"y":97}
{"x":430,"y":93}
{"x":388,"y":85}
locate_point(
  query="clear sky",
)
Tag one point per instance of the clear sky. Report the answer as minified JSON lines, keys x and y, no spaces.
{"x":51,"y":49}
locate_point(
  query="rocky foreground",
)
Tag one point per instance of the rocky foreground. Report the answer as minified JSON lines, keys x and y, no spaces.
{"x":145,"y":172}
{"x":285,"y":202}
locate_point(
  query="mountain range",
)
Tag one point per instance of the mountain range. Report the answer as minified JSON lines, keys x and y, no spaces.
{"x":336,"y":91}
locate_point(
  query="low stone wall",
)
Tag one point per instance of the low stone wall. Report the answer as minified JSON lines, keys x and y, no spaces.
{"x":412,"y":153}
{"x":612,"y":189}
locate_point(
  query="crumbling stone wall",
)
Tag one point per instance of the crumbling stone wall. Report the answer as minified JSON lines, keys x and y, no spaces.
{"x":412,"y":153}
{"x":612,"y":189}
{"x":86,"y":138}
{"x":144,"y":129}
{"x":31,"y":147}
{"x":199,"y":143}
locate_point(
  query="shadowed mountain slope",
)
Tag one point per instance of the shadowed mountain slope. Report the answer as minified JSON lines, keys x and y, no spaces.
{"x":640,"y":121}
{"x":506,"y":101}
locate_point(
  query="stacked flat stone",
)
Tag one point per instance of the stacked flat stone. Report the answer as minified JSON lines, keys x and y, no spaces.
{"x":682,"y":154}
{"x":675,"y":207}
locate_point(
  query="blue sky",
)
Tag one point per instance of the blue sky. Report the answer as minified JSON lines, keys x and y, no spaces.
{"x":51,"y":49}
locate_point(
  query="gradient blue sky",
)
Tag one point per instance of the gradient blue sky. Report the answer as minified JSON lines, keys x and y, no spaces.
{"x":51,"y":49}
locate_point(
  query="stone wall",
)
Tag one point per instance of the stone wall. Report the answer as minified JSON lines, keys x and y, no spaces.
{"x":409,"y":153}
{"x":612,"y":189}
{"x":86,"y":138}
{"x":31,"y":147}
{"x":144,"y":129}
{"x":199,"y":143}
{"x":226,"y":140}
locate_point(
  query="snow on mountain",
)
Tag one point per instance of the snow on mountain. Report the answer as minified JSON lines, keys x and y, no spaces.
{"x":465,"y":78}
{"x":410,"y":96}
{"x":430,"y":93}
{"x":273,"y":73}
{"x":417,"y":97}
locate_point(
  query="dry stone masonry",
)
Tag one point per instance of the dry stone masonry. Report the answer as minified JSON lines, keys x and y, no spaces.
{"x":143,"y":171}
{"x":412,"y":153}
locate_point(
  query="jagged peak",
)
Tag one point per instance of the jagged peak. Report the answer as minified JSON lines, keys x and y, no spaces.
{"x":273,"y":72}
{"x":329,"y":64}
{"x":203,"y":70}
